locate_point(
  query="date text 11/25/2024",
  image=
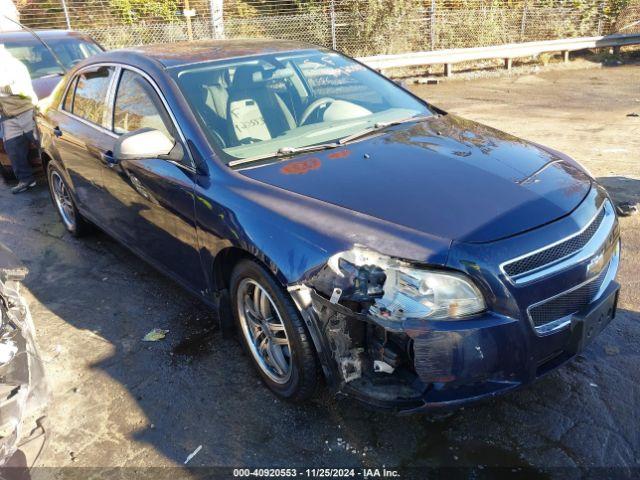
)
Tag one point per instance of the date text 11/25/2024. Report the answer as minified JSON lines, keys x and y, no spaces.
{"x":317,"y":472}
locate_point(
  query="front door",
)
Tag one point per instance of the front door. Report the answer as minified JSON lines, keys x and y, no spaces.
{"x":153,"y":197}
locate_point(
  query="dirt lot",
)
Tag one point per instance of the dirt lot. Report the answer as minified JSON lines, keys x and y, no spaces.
{"x":119,"y":402}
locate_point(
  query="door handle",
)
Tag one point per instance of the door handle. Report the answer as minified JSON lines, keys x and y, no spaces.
{"x":57,"y":132}
{"x":108,"y":159}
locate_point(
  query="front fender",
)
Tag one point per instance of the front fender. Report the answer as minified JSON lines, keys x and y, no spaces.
{"x":296,"y":235}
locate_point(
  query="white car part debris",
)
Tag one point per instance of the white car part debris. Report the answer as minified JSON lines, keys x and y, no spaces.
{"x":382,"y":367}
{"x":193,"y":454}
{"x":155,"y":335}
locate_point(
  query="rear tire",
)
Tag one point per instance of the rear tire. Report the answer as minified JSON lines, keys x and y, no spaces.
{"x":273,"y":333}
{"x":64,"y":203}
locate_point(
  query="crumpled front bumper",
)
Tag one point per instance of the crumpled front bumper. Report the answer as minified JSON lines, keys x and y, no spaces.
{"x":472,"y":365}
{"x":23,"y":389}
{"x":450,"y":364}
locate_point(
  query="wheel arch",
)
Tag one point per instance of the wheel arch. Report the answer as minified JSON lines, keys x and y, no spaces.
{"x":221,"y":269}
{"x":223,"y":265}
{"x":46,"y":160}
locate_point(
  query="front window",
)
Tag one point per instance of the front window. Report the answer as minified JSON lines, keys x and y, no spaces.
{"x":90,"y":99}
{"x":39,"y":60}
{"x":260,"y":105}
{"x":137,"y":106}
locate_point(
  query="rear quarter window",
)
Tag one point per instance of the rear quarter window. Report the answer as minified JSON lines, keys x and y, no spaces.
{"x":67,"y":104}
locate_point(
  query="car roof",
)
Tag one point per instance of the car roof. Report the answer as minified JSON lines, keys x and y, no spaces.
{"x":22,"y":35}
{"x":186,"y":53}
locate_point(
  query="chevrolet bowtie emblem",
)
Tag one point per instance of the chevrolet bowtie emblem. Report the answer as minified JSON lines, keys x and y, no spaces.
{"x":595,"y":264}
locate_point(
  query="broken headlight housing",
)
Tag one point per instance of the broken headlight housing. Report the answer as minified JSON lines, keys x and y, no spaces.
{"x":428,"y":294}
{"x":410,"y":292}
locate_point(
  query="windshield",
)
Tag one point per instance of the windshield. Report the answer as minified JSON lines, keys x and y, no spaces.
{"x":258,"y":106}
{"x":39,"y":60}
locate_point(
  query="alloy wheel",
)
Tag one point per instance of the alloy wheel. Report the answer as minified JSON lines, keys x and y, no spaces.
{"x":264,"y":330}
{"x":63,"y":200}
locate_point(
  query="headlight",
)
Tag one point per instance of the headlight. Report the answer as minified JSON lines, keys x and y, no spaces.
{"x":410,"y":292}
{"x":414,"y":293}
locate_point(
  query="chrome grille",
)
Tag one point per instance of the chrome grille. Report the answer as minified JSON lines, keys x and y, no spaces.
{"x":555,"y":252}
{"x":567,"y":303}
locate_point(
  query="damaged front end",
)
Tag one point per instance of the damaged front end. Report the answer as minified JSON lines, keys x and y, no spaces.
{"x":375,"y":321}
{"x":22,"y":387}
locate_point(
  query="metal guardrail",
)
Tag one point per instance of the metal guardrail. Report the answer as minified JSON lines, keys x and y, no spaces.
{"x":507,"y":52}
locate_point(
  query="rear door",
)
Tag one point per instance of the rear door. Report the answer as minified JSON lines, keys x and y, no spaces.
{"x":153,"y":198}
{"x":82,"y":134}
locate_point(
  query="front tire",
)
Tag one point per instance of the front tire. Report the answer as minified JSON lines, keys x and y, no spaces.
{"x":273,"y":333}
{"x":64,"y":203}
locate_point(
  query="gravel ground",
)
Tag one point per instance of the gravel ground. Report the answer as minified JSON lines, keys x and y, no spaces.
{"x":117,"y":401}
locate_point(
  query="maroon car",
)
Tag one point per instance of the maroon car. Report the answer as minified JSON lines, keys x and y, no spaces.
{"x":45,"y":70}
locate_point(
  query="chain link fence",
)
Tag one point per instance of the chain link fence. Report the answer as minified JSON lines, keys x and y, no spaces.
{"x":356,"y":27}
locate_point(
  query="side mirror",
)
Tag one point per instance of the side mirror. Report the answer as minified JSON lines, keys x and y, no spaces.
{"x":142,"y":144}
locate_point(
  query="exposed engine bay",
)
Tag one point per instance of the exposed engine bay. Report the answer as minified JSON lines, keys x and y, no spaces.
{"x":371,"y":309}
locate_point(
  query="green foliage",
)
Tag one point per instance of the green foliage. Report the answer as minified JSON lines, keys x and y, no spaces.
{"x":131,"y":11}
{"x":384,"y":26}
{"x":284,"y":8}
{"x":49,"y":9}
{"x":363,"y":27}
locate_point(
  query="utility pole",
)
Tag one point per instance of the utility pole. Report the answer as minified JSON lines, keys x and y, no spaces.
{"x":432,"y":24}
{"x":523,"y":22}
{"x":188,"y":13}
{"x":217,"y":18}
{"x":66,"y":14}
{"x":332,"y":15}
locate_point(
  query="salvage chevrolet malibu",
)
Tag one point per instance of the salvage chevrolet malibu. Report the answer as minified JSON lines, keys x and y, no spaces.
{"x":350,"y":230}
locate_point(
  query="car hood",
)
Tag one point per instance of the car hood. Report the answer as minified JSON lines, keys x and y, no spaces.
{"x":446,"y":176}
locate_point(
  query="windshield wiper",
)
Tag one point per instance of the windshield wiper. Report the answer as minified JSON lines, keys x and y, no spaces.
{"x":283,"y":152}
{"x":380,"y":126}
{"x":286,"y":151}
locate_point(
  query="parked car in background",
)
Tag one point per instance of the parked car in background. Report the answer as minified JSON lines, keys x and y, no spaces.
{"x":413,"y":258}
{"x":45,"y":68}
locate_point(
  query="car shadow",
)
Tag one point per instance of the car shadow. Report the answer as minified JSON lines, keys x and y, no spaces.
{"x":622,"y":189}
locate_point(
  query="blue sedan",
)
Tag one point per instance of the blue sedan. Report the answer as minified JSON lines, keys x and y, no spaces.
{"x":347,"y":229}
